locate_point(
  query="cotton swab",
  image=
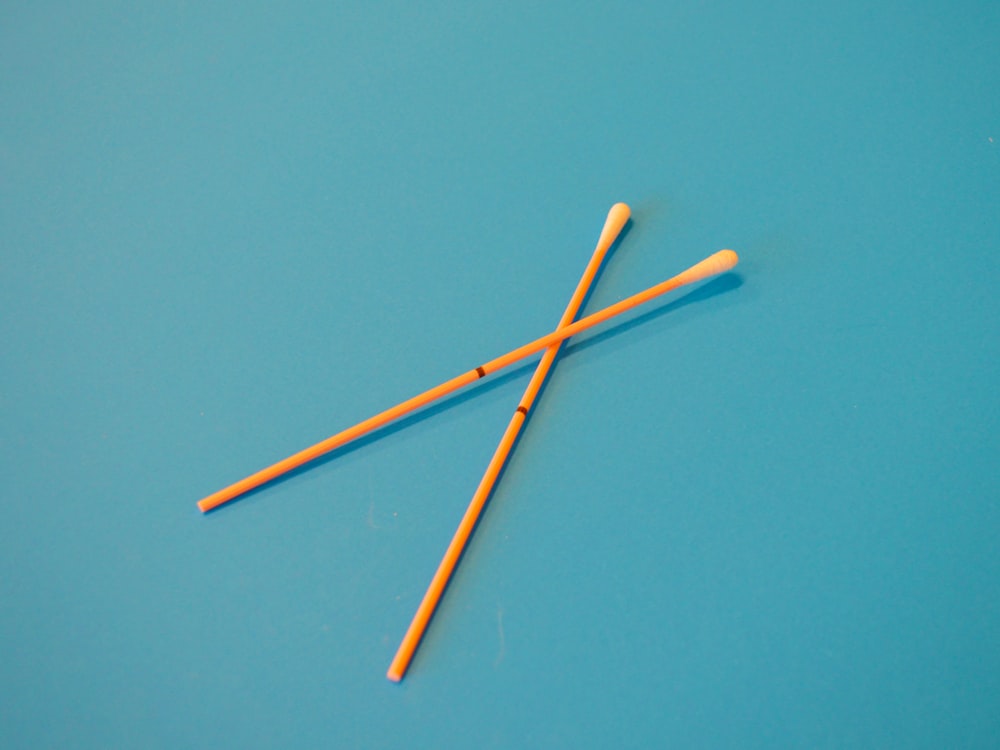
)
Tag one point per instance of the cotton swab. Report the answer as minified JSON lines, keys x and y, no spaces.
{"x":720,"y":262}
{"x":617,"y":218}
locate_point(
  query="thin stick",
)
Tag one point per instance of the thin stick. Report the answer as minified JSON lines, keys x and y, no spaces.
{"x":720,"y":262}
{"x":616,"y":220}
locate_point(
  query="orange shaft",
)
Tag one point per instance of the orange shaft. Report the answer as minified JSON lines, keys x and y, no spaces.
{"x":429,"y":603}
{"x":331,"y":443}
{"x":616,"y":221}
{"x":717,"y":263}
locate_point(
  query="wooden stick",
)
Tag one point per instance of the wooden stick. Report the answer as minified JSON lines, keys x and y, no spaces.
{"x":720,"y":262}
{"x":612,"y":227}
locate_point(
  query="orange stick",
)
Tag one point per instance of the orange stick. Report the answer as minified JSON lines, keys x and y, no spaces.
{"x":720,"y":262}
{"x":612,"y":227}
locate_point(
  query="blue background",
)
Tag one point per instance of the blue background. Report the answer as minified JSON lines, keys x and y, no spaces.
{"x":761,"y":514}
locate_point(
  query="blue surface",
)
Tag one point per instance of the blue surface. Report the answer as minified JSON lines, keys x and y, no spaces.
{"x":763,"y":514}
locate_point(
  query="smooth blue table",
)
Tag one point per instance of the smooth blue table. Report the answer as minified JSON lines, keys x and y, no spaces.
{"x":763,"y":513}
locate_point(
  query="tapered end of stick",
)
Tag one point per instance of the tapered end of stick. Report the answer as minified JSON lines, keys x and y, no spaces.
{"x":617,"y":218}
{"x":720,"y":262}
{"x":393,"y":675}
{"x":213,"y":501}
{"x":204,"y":506}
